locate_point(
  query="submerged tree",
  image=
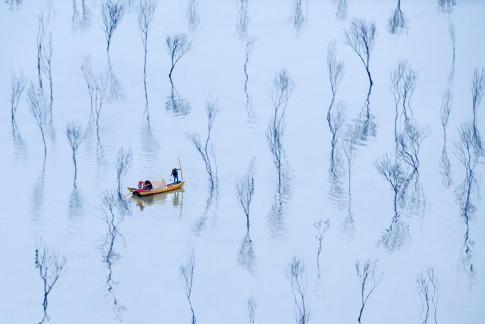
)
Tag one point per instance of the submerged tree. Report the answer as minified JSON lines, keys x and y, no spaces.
{"x":335,"y":71}
{"x":39,"y":46}
{"x":123,"y":162}
{"x":342,"y":8}
{"x":468,"y":190}
{"x":369,"y":278}
{"x":394,"y":173}
{"x":17,"y":87}
{"x":177,"y":47}
{"x":245,"y":192}
{"x":37,"y":108}
{"x":47,"y":69}
{"x":146,"y":11}
{"x":248,"y":52}
{"x":252,"y":306}
{"x":206,"y":149}
{"x":360,"y":37}
{"x":281,"y":90}
{"x":296,"y":277}
{"x":428,"y":286}
{"x":445,"y":164}
{"x":397,"y":21}
{"x":50,"y":266}
{"x":297,"y":17}
{"x":74,"y":136}
{"x":187,"y":276}
{"x":478,"y":85}
{"x":321,"y":228}
{"x":111,"y":12}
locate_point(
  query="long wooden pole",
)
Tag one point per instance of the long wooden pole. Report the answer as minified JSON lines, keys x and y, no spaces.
{"x":181,"y":173}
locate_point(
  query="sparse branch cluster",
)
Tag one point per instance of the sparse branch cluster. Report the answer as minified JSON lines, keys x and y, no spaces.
{"x":245,"y":192}
{"x":298,"y":285}
{"x":187,"y":275}
{"x":111,"y":12}
{"x":369,"y":277}
{"x":428,"y":286}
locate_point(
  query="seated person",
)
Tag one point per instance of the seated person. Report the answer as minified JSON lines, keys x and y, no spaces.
{"x":145,"y":185}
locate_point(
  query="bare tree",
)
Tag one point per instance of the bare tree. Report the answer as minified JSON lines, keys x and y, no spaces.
{"x":39,"y":46}
{"x":451,"y":32}
{"x":111,"y":12}
{"x":47,"y":69}
{"x":321,"y":228}
{"x":50,"y":266}
{"x":298,"y":284}
{"x":252,"y":306}
{"x":397,"y":21}
{"x":428,"y":286}
{"x":467,"y":192}
{"x":192,"y":14}
{"x":37,"y":108}
{"x":336,"y":121}
{"x":348,"y":147}
{"x":245,"y":192}
{"x":360,"y":37}
{"x":187,"y":276}
{"x":206,"y":149}
{"x":177,"y":47}
{"x":445,"y":164}
{"x":478,"y":85}
{"x":123,"y":162}
{"x":394,"y":173}
{"x":146,"y":11}
{"x":369,"y":278}
{"x":17,"y":87}
{"x":74,"y":137}
{"x":248,"y":52}
{"x":281,"y":90}
{"x":335,"y":71}
{"x":242,"y":18}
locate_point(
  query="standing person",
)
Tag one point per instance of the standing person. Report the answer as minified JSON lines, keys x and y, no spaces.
{"x":175,"y":175}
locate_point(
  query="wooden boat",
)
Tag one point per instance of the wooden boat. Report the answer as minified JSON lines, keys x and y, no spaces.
{"x":155,"y":190}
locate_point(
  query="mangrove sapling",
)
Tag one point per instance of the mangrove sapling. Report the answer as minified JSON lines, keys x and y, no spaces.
{"x":206,"y":149}
{"x":397,"y":21}
{"x":428,"y":286}
{"x":192,"y":14}
{"x":111,"y":13}
{"x":369,"y":278}
{"x":38,"y":110}
{"x":50,"y":266}
{"x":296,"y":277}
{"x":74,"y":136}
{"x":17,"y":87}
{"x":335,"y":72}
{"x":321,"y":228}
{"x":245,"y":192}
{"x":146,"y":11}
{"x":177,"y":47}
{"x":187,"y":276}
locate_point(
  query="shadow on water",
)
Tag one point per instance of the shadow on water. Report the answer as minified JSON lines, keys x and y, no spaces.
{"x":176,"y":104}
{"x":112,"y":216}
{"x":210,"y":209}
{"x":175,"y":198}
{"x":75,"y":203}
{"x":37,"y":202}
{"x":246,"y":256}
{"x":277,"y":213}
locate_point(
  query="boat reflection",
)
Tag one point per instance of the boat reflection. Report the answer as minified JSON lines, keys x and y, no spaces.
{"x":176,"y":198}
